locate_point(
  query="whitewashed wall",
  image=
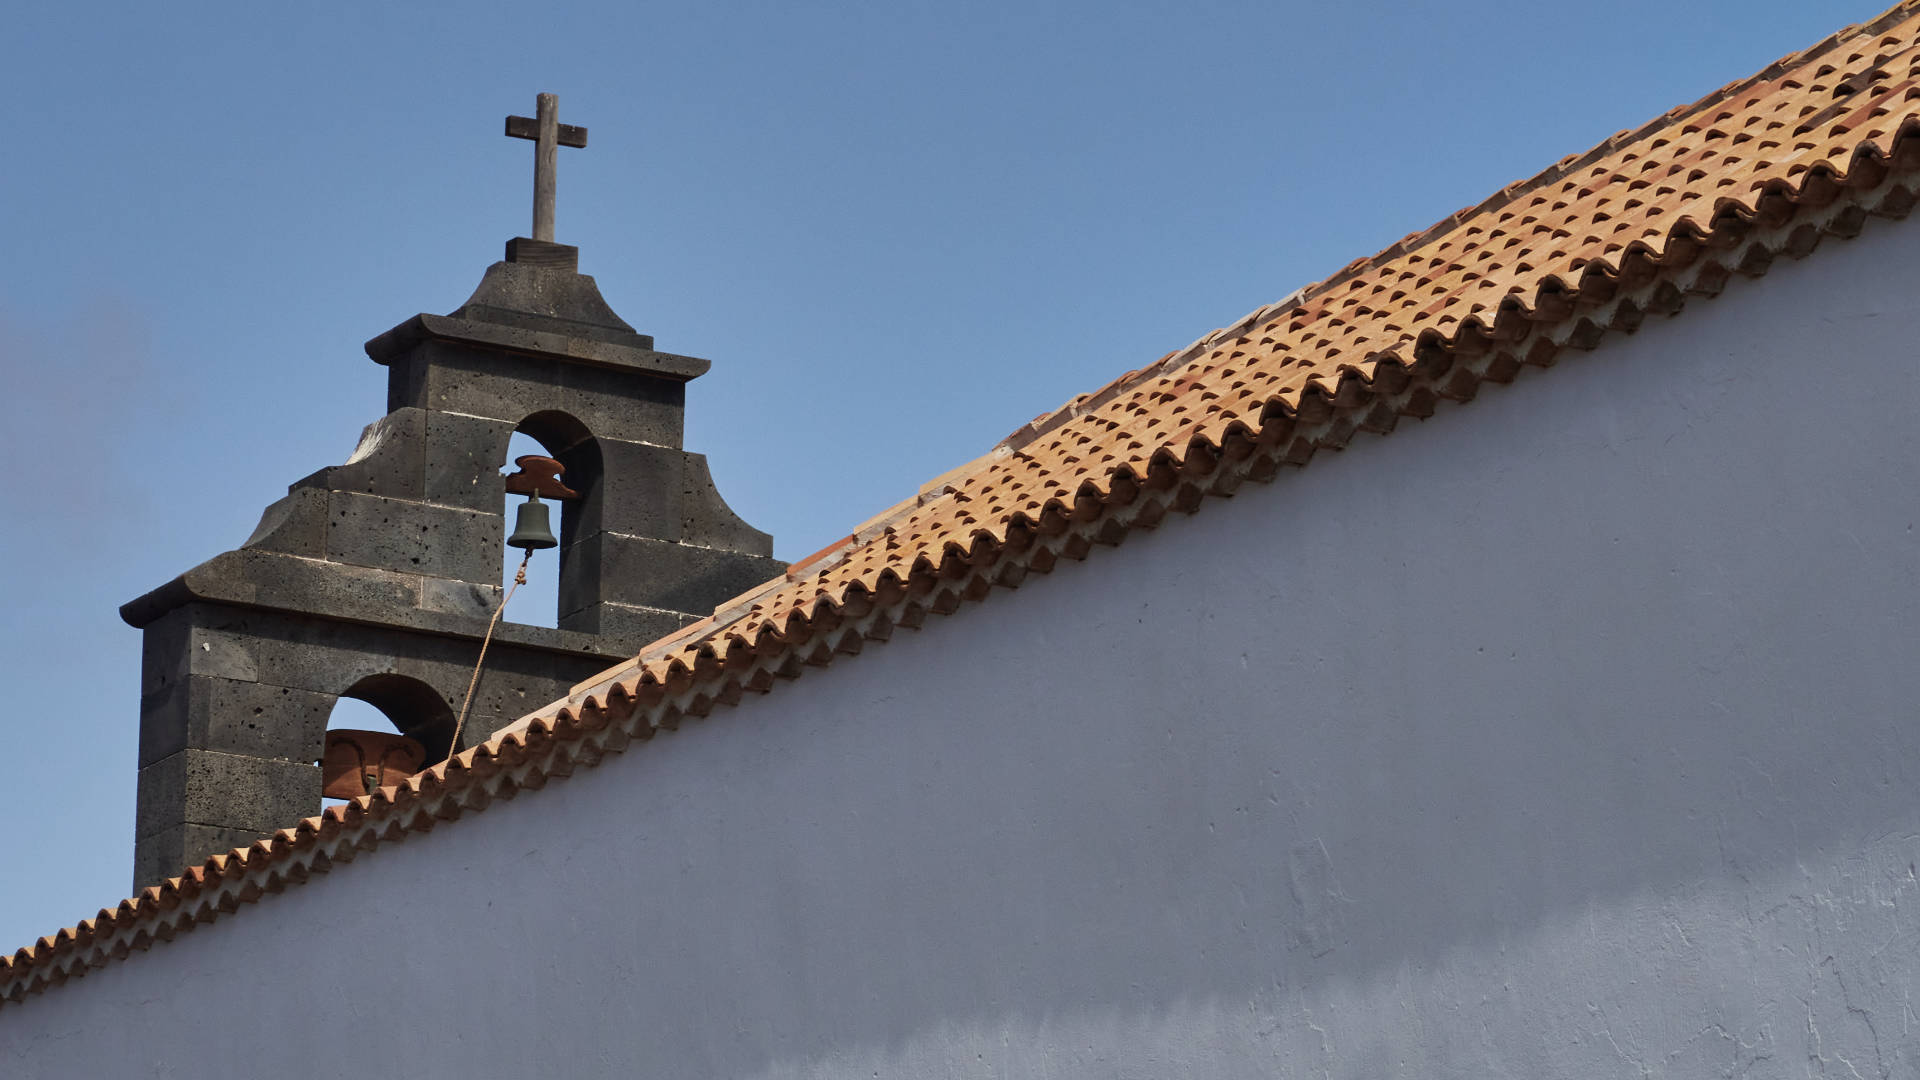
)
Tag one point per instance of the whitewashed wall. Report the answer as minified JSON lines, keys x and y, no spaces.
{"x":1569,"y":734}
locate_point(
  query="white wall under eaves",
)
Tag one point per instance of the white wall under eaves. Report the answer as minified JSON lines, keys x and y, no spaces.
{"x":1572,"y":733}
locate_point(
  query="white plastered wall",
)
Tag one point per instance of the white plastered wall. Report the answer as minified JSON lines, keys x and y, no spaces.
{"x":1571,"y":733}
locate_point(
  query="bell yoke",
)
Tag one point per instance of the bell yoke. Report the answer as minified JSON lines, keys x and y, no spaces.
{"x":537,"y":476}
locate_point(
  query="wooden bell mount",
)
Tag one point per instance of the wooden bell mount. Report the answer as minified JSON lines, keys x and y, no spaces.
{"x":539,"y":476}
{"x":357,"y":762}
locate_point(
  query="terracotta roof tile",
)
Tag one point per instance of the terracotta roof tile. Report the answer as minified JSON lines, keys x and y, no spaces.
{"x":1810,"y":147}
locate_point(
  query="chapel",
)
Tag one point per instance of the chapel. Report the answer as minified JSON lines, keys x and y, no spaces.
{"x":1495,"y":659}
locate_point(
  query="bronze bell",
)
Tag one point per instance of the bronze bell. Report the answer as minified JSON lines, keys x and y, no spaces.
{"x":531,"y":528}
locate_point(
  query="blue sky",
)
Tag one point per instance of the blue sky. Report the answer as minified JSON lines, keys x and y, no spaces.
{"x":899,"y":231}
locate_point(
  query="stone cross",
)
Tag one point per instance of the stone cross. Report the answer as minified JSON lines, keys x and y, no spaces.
{"x":548,"y":135}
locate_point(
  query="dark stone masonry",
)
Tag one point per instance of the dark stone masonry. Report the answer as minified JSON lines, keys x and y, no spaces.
{"x":375,"y":579}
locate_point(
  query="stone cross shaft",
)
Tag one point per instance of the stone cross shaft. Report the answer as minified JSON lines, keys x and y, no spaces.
{"x":548,"y":135}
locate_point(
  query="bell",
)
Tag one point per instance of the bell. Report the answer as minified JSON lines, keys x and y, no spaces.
{"x":531,"y":529}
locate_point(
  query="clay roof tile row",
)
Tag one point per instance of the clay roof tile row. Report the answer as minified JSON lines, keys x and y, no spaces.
{"x":1810,"y":147}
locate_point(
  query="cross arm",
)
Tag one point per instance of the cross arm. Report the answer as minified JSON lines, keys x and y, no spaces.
{"x":521,"y":127}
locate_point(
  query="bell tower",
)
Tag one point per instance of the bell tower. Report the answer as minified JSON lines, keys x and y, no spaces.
{"x":375,"y":579}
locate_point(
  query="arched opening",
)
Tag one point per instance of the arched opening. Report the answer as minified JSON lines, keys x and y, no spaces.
{"x":542,"y":601}
{"x":399,"y":703}
{"x":411,"y":707}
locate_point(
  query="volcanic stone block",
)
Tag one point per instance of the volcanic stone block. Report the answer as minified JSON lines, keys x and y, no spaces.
{"x":640,"y":626}
{"x":197,"y":639}
{"x":641,"y":492}
{"x":329,"y":657}
{"x":662,"y":494}
{"x":230,"y":791}
{"x":707,"y":520}
{"x":268,"y":579}
{"x":650,"y":573}
{"x":321,"y":656}
{"x":508,"y":692}
{"x":615,"y":405}
{"x":407,"y":378}
{"x":413,"y":537}
{"x":296,"y":524}
{"x":486,"y":383}
{"x":390,"y":459}
{"x":221,"y":654}
{"x":464,"y":457}
{"x":468,"y":598}
{"x":256,"y":719}
{"x":166,"y":853}
{"x":472,"y":382}
{"x":163,"y":651}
